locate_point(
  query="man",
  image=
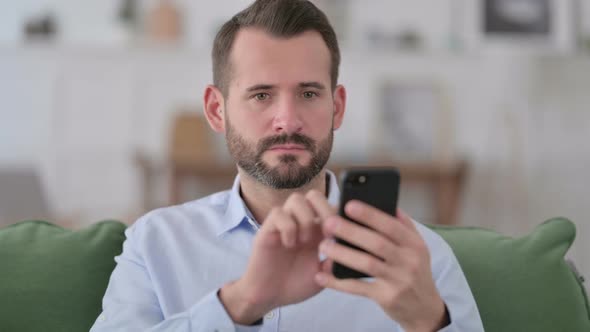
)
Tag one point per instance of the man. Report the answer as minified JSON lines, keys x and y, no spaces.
{"x":247,"y":259}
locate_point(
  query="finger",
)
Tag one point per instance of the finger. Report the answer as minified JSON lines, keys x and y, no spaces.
{"x":304,"y":215}
{"x":320,"y":204}
{"x":353,"y":258}
{"x":285,"y":225}
{"x":271,"y":238}
{"x":326,"y":265}
{"x":381,"y":222}
{"x":406,"y":219}
{"x":362,"y":237}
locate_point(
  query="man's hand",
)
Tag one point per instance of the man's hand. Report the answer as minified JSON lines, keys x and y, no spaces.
{"x":399,"y":261}
{"x":284,"y":260}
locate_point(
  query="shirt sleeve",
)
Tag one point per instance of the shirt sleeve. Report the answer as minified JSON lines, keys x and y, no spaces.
{"x":455,"y":292}
{"x":130,"y":302}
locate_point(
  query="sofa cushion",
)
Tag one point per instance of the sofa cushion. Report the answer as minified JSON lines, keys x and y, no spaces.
{"x":53,"y":279}
{"x":522,"y":284}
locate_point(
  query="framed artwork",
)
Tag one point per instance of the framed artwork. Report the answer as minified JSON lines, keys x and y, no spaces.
{"x":544,"y":26}
{"x":414,"y":122}
{"x":529,"y":18}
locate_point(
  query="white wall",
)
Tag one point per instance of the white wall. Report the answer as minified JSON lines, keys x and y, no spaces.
{"x":78,"y":109}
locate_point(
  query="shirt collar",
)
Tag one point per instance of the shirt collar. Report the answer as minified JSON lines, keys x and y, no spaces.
{"x":237,"y":212}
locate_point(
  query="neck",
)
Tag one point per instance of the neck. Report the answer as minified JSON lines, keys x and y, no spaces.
{"x":260,"y":199}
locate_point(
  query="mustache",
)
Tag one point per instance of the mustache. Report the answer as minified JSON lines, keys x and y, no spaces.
{"x":294,"y":138}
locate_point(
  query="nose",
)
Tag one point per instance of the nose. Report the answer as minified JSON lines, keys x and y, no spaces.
{"x":287,"y":118}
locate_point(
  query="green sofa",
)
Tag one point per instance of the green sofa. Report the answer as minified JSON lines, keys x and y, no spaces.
{"x":53,"y":279}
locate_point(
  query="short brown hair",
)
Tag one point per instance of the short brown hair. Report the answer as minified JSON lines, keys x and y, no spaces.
{"x":280,"y":18}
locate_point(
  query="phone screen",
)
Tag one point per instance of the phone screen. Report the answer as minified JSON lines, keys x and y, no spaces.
{"x":378,"y":187}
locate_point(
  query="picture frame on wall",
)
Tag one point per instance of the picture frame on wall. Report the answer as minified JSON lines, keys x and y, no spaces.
{"x":530,"y":26}
{"x":415,"y":122}
{"x":526,"y":18}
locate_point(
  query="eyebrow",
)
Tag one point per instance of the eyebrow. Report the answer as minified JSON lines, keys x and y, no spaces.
{"x":316,"y":85}
{"x":259,"y":87}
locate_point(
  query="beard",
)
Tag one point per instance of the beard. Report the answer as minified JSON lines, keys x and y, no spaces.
{"x":289,"y":173}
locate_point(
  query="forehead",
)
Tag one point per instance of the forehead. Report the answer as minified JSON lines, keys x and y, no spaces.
{"x":258,"y":57}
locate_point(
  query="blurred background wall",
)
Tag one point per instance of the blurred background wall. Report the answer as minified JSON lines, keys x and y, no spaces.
{"x":89,"y":91}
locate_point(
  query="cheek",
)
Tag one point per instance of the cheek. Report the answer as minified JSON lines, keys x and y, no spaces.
{"x":253,"y":128}
{"x":321,"y":121}
{"x":248,"y":124}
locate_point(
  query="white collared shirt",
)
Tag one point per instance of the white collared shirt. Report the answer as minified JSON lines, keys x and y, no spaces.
{"x":175,"y":259}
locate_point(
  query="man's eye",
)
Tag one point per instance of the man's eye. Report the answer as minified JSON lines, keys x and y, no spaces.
{"x":309,"y":94}
{"x":261,"y":96}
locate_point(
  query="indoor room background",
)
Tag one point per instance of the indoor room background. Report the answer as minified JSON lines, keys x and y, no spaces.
{"x":493,"y":93}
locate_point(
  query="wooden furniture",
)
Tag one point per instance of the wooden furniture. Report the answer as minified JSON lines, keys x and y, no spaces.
{"x":190,"y":156}
{"x":446,"y":181}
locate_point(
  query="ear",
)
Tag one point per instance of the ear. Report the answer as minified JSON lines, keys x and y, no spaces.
{"x":214,"y":105}
{"x":339,"y":105}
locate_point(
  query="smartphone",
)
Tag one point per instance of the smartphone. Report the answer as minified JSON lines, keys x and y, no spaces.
{"x":378,"y":187}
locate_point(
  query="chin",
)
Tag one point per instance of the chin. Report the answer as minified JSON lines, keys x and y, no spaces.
{"x":281,"y":165}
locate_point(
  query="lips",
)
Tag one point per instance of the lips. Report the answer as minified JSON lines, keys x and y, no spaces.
{"x":292,"y":147}
{"x":294,"y":143}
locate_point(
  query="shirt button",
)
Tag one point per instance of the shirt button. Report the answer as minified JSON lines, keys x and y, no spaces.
{"x":269,"y":316}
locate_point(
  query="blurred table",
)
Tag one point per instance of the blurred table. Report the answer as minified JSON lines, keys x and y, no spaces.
{"x":445,"y":181}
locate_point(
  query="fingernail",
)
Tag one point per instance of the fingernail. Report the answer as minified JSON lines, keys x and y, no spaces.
{"x":353,"y":207}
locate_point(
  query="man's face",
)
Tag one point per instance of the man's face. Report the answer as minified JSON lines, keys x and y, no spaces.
{"x":280,"y":111}
{"x":289,"y":172}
